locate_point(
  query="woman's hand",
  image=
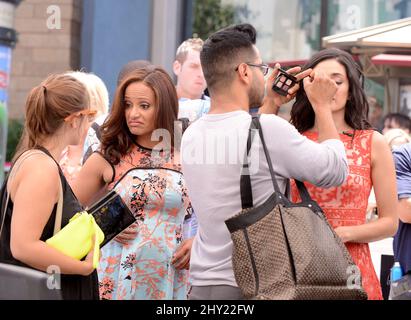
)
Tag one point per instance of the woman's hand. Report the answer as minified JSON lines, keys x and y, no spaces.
{"x":181,"y":259}
{"x":344,"y":233}
{"x":89,"y":261}
{"x":127,"y":235}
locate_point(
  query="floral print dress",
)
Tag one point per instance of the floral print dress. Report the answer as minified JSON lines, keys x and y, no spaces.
{"x":153,"y":187}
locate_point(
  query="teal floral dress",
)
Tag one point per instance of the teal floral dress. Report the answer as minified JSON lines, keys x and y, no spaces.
{"x":153,"y":187}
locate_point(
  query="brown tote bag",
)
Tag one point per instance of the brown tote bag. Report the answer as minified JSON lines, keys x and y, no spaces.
{"x":288,"y":251}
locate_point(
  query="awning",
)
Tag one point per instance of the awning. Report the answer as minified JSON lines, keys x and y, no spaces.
{"x":290,"y":63}
{"x":297,"y":62}
{"x":398,"y":60}
{"x":391,"y":36}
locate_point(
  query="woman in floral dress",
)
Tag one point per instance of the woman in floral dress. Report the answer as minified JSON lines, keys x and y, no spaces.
{"x":369,"y":160}
{"x":139,"y":263}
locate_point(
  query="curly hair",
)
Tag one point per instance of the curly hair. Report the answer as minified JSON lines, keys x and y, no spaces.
{"x":116,"y":138}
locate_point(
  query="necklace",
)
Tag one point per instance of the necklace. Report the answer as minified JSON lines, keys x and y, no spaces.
{"x":347,"y":133}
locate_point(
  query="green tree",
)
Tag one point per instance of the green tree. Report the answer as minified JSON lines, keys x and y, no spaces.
{"x":210,"y":16}
{"x":13,"y":137}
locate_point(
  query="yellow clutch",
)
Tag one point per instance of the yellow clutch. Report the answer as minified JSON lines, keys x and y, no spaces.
{"x":75,"y":239}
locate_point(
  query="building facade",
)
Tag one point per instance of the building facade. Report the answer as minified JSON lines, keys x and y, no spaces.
{"x":44,"y":46}
{"x":100,"y":36}
{"x":94,"y":36}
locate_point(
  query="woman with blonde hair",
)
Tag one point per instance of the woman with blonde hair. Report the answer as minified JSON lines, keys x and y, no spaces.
{"x":72,"y":157}
{"x":56,"y":116}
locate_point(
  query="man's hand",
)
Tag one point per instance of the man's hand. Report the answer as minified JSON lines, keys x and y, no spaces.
{"x":273,"y":101}
{"x":181,"y":259}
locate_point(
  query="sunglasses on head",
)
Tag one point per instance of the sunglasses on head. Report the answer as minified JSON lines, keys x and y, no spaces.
{"x":90,"y":114}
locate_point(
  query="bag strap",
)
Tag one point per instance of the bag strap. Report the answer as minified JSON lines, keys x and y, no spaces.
{"x":59,"y":210}
{"x":3,"y":217}
{"x":96,"y":252}
{"x":257,"y":123}
{"x":302,"y":190}
{"x":245,"y":181}
{"x":13,"y":172}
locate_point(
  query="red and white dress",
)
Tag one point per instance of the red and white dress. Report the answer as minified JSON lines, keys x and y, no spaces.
{"x":346,"y":205}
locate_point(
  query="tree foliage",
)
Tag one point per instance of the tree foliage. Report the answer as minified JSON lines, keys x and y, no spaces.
{"x":15,"y":130}
{"x":210,"y":16}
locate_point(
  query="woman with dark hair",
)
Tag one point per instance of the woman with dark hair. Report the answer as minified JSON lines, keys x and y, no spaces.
{"x":92,"y":141}
{"x":147,"y":174}
{"x":369,"y":158}
{"x":396,"y":121}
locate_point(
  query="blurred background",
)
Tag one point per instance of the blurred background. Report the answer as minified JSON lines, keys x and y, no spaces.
{"x":39,"y":37}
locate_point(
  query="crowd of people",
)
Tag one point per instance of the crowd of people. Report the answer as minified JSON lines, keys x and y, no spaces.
{"x":182,"y":189}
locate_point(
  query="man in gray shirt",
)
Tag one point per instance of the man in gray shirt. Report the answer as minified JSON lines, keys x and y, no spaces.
{"x":213,"y":148}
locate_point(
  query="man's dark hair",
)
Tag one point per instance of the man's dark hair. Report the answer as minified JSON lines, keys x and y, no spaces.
{"x":224,"y":50}
{"x":403,"y":121}
{"x":130,"y":67}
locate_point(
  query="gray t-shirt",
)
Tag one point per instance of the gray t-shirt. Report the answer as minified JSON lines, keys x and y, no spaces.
{"x":212,"y":154}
